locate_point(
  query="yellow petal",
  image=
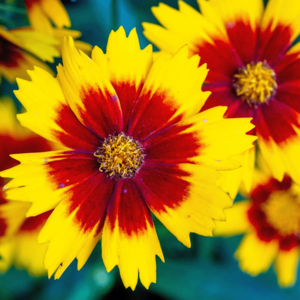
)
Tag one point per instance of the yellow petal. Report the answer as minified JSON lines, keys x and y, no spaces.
{"x":254,"y":255}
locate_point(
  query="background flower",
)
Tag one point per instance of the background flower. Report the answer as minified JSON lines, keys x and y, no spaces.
{"x":253,"y":70}
{"x":41,"y":13}
{"x":18,"y":235}
{"x":25,"y":47}
{"x":270,"y":220}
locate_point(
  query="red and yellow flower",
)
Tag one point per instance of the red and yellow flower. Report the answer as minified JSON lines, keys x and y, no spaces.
{"x":270,"y":220}
{"x":137,"y":144}
{"x":18,"y":235}
{"x":42,"y":13}
{"x":254,"y":70}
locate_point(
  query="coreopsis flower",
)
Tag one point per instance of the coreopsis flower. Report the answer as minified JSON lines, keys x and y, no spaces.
{"x":270,"y":220}
{"x":137,"y":144}
{"x":42,"y":13}
{"x":18,"y":234}
{"x":253,"y":70}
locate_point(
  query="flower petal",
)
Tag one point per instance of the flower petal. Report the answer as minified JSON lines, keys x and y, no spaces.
{"x":54,"y":174}
{"x":282,"y":21}
{"x":182,"y":27}
{"x":89,"y":92}
{"x":48,"y":113}
{"x":39,"y":44}
{"x":14,"y":62}
{"x":127,"y":67}
{"x":7,"y":252}
{"x":183,"y":197}
{"x":67,"y":240}
{"x":36,"y":16}
{"x":12,"y":215}
{"x":286,"y":265}
{"x":75,"y":226}
{"x":162,"y":101}
{"x":206,"y":138}
{"x":254,"y":255}
{"x":231,"y":11}
{"x":129,"y":237}
{"x":56,"y":12}
{"x":237,"y":221}
{"x":277,"y":127}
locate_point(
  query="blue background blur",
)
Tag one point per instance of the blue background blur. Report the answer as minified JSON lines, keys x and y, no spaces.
{"x":206,"y":271}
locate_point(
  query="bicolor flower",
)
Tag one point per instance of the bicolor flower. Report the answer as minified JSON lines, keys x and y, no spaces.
{"x":137,"y":144}
{"x":42,"y":13}
{"x":18,"y":235}
{"x":270,"y":220}
{"x":254,"y":70}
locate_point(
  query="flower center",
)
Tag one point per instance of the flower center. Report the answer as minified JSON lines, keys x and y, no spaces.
{"x":120,"y":156}
{"x":255,"y":83}
{"x":283,"y":212}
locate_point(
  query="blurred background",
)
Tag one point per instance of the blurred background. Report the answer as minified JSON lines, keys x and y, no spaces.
{"x":206,"y":271}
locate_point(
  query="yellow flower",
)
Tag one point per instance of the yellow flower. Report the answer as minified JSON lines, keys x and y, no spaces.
{"x":137,"y":144}
{"x":18,"y":235}
{"x":254,"y":71}
{"x":270,"y":220}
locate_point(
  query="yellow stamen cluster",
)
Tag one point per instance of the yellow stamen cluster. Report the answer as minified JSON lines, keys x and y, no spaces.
{"x":120,"y":156}
{"x":283,"y":212}
{"x":255,"y":83}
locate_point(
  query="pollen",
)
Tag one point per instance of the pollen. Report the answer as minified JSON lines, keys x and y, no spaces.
{"x":255,"y":83}
{"x":283,"y":212}
{"x":120,"y":156}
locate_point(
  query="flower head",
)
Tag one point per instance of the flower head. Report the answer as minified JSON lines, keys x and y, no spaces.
{"x":270,"y":220}
{"x":253,"y":70}
{"x":137,"y":144}
{"x":18,"y":235}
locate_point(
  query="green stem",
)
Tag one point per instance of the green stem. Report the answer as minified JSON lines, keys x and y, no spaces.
{"x":12,"y":9}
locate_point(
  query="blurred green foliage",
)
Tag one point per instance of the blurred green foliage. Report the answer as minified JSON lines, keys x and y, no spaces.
{"x":207,"y":271}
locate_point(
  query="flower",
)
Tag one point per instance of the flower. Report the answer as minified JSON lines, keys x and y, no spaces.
{"x":42,"y":12}
{"x":270,"y":220}
{"x":137,"y":145}
{"x":254,"y":70}
{"x":18,"y":235}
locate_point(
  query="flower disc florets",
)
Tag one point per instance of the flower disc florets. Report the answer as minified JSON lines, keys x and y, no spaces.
{"x":283,"y":212}
{"x":255,"y":83}
{"x":120,"y":156}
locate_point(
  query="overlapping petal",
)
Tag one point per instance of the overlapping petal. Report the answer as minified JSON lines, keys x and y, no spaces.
{"x":42,"y":12}
{"x":49,"y":114}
